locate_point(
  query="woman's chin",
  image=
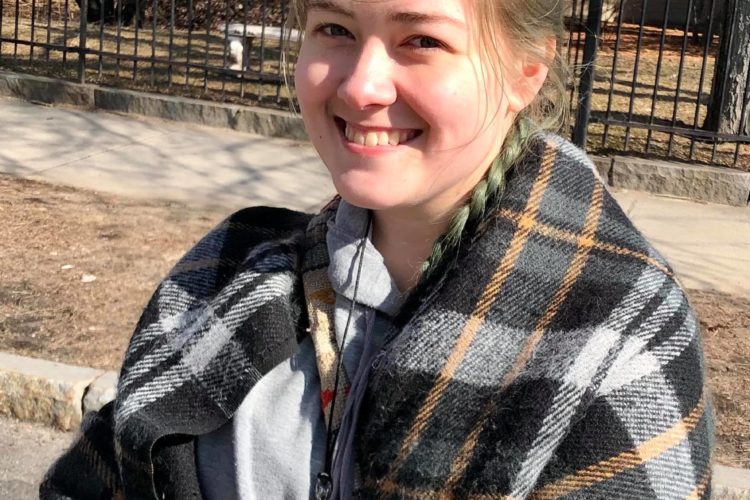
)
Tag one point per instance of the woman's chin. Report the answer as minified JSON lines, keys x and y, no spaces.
{"x":365,"y":196}
{"x":368,"y":202}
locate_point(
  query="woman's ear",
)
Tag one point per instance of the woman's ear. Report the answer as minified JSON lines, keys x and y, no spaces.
{"x":529,"y":78}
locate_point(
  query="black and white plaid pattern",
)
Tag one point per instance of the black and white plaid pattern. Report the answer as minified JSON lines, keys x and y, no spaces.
{"x":557,"y":357}
{"x":229,"y":311}
{"x":554,"y":356}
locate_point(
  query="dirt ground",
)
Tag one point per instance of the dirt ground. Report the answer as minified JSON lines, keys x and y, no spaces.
{"x":725,"y":323}
{"x":55,"y":240}
{"x":78,"y":267}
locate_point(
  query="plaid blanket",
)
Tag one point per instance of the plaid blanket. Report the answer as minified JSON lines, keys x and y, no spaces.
{"x":553,"y":355}
{"x":557,"y":357}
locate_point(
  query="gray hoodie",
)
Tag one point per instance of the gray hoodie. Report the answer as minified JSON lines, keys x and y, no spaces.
{"x":274,"y":446}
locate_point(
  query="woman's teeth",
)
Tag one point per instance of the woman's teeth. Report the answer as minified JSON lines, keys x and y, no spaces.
{"x":377,"y":138}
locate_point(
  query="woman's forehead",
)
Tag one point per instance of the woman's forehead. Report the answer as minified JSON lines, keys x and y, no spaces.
{"x":453,"y":11}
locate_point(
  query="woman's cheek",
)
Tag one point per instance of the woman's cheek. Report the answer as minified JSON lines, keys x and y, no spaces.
{"x":308,"y":78}
{"x":315,"y":76}
{"x":453,"y":108}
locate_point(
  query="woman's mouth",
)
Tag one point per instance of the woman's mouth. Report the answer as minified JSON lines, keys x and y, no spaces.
{"x":375,"y":137}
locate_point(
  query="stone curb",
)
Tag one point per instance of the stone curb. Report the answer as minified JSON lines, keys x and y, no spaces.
{"x":700,"y":183}
{"x":694,"y":182}
{"x":267,"y":122}
{"x":58,"y":395}
{"x":50,"y":393}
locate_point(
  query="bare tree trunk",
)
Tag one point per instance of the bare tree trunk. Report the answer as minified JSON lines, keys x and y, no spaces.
{"x":610,"y":8}
{"x":729,"y":110}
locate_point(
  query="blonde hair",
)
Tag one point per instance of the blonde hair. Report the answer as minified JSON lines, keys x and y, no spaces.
{"x":505,"y":26}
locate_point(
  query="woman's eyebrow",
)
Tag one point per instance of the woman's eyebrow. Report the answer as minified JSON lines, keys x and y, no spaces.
{"x":401,"y":17}
{"x":329,"y":6}
{"x":423,"y":18}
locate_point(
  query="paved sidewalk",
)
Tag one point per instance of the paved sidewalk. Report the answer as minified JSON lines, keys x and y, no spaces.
{"x":709,"y":245}
{"x":27,"y":451}
{"x":151,"y":158}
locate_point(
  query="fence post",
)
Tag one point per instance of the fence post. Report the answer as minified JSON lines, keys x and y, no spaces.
{"x":82,"y":41}
{"x":586,"y":87}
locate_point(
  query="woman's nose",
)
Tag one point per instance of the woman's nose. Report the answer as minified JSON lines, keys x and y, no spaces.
{"x":370,"y":81}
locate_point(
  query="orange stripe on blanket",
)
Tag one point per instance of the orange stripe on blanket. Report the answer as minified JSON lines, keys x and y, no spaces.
{"x":584,"y":241}
{"x":569,"y":237}
{"x":481,"y":309}
{"x":325,"y":295}
{"x":609,"y":468}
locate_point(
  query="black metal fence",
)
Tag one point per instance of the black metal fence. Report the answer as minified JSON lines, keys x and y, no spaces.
{"x":666,"y":79}
{"x":648,"y":75}
{"x":225,"y":50}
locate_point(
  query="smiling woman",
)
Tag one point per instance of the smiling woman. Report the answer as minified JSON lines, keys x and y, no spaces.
{"x":473,"y":316}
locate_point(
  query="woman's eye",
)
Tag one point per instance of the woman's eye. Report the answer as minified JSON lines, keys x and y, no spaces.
{"x":333,"y":30}
{"x":425,"y":42}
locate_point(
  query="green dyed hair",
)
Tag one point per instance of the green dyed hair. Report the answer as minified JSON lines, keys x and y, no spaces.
{"x":491,"y":185}
{"x":520,"y":27}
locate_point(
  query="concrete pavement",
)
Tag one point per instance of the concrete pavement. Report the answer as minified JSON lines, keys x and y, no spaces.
{"x":158,"y":159}
{"x":26,"y":452}
{"x":709,"y":245}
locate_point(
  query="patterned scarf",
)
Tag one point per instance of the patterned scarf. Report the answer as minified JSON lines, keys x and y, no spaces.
{"x":554,"y":355}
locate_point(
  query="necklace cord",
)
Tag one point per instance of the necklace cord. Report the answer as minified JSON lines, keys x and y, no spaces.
{"x":330,"y":438}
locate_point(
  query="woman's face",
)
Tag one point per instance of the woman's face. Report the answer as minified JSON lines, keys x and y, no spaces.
{"x":397,"y":101}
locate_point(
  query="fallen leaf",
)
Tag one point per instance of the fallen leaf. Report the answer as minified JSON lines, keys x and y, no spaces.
{"x":88,"y":278}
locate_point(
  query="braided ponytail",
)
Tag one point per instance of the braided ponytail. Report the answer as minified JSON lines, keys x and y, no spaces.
{"x":491,"y":186}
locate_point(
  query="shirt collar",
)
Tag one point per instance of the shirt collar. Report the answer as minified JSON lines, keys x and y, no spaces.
{"x":376,"y":288}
